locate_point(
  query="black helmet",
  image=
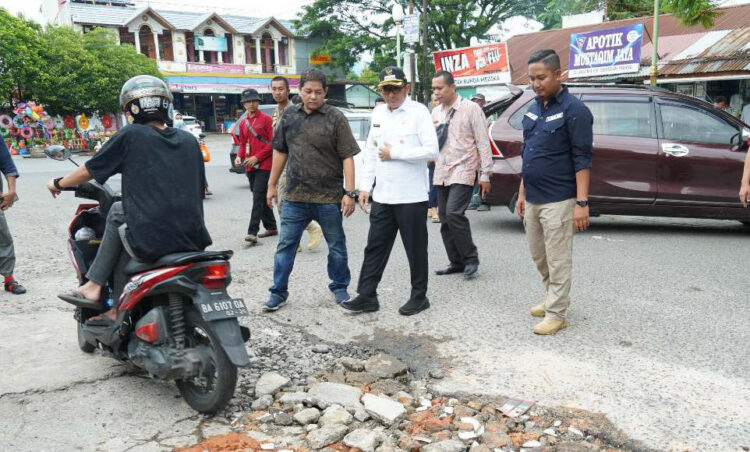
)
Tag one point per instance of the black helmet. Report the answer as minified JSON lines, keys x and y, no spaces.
{"x":147,"y":98}
{"x":250,"y":95}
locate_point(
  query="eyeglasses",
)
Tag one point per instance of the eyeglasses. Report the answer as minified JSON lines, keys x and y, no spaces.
{"x":391,"y":89}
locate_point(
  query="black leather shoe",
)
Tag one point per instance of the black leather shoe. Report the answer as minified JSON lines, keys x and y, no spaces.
{"x":362,"y":303}
{"x":414,"y":306}
{"x":470,"y":270}
{"x":450,"y":270}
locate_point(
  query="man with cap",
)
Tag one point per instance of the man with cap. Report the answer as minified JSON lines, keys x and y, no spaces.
{"x":402,"y":140}
{"x":477,"y":202}
{"x":255,"y":154}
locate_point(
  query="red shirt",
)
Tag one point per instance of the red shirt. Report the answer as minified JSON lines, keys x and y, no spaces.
{"x":262,"y":124}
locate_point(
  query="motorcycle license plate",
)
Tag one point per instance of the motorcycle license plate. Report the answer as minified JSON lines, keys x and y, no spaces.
{"x":222,"y":309}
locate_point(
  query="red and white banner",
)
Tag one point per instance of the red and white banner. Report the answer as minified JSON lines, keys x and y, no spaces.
{"x":481,"y":65}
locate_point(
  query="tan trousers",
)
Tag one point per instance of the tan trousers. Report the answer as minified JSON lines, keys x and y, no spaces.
{"x":549,"y":231}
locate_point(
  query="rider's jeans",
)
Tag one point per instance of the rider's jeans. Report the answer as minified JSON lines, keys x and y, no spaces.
{"x":110,"y":248}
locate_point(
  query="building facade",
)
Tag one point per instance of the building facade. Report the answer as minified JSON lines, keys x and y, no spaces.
{"x":705,"y":63}
{"x":207,"y":59}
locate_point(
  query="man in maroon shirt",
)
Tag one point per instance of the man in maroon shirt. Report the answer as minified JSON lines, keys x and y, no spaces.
{"x":255,"y":153}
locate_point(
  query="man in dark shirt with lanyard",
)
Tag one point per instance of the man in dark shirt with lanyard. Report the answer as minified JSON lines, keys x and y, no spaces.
{"x":553,"y":197}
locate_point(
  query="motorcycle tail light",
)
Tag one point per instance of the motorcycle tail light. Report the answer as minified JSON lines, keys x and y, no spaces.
{"x":215,"y":276}
{"x":148,"y":332}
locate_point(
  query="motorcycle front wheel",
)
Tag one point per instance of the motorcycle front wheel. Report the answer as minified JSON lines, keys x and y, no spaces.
{"x":210,"y":391}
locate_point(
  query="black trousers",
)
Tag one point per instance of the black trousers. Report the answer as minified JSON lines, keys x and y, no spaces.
{"x":455,"y":228}
{"x":261,"y":211}
{"x":385,"y":221}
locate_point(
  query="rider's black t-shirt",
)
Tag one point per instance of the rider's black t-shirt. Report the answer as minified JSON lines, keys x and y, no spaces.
{"x":162,"y":186}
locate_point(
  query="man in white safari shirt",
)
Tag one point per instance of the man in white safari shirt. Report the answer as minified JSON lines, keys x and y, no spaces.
{"x":402,"y":140}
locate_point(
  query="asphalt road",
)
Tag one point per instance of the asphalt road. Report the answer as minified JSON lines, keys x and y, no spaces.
{"x":658,"y":338}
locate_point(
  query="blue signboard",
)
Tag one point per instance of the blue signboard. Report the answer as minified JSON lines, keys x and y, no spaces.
{"x":606,"y":52}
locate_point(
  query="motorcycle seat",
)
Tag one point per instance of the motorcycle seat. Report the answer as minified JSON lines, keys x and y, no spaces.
{"x":171,"y":260}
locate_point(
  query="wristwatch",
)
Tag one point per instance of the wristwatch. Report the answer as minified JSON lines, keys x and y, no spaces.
{"x":56,"y":183}
{"x":582,"y":202}
{"x":352,"y":194}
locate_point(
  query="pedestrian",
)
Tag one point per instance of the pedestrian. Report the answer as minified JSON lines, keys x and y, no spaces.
{"x":553,"y":196}
{"x":745,"y":115}
{"x":315,"y":145}
{"x":477,"y":202}
{"x":721,"y":103}
{"x":255,"y":154}
{"x":745,"y":182}
{"x":432,"y":199}
{"x":400,"y":143}
{"x":280,"y":93}
{"x":465,"y":152}
{"x":7,"y":251}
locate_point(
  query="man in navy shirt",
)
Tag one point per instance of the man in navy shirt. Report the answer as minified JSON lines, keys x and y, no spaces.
{"x":553,"y":196}
{"x":7,"y":252}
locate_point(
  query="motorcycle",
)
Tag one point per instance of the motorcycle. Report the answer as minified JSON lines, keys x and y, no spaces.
{"x":174,"y":317}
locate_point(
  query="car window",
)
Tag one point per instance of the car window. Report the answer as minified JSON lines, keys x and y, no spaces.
{"x":693,"y":124}
{"x":626,"y":119}
{"x":517,"y":117}
{"x":360,"y":127}
{"x":190,"y":121}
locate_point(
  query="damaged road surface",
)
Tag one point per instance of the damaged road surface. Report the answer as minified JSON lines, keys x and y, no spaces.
{"x":655,"y":357}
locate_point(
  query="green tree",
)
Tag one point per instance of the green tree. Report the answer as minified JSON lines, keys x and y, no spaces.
{"x":19,"y":57}
{"x":68,"y":73}
{"x":690,"y":12}
{"x":84,"y":72}
{"x":352,"y":27}
{"x":113,"y":65}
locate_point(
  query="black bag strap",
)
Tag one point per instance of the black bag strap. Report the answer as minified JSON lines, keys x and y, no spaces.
{"x":255,"y":132}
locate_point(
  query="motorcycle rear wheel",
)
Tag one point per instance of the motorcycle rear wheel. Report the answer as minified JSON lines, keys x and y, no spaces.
{"x":211,"y":391}
{"x":82,"y":344}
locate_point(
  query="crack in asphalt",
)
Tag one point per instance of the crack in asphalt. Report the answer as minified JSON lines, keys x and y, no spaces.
{"x":123,"y":373}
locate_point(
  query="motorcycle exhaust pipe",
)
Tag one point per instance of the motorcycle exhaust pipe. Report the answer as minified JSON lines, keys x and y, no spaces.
{"x":81,"y":302}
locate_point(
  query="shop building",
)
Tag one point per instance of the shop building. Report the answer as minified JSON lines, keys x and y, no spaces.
{"x":207,"y":59}
{"x":700,"y":62}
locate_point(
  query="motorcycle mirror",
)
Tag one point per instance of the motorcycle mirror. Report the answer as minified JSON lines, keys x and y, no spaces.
{"x":57,"y":152}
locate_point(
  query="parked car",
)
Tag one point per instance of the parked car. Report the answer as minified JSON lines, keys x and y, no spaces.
{"x":359,"y":121}
{"x":192,"y":125}
{"x":656,"y":153}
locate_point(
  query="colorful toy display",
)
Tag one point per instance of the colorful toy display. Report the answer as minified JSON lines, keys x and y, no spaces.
{"x":29,"y":126}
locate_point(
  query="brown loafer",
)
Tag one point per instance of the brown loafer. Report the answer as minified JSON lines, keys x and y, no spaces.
{"x":268,"y":233}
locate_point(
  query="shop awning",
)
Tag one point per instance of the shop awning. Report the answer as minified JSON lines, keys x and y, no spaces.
{"x":223,"y":83}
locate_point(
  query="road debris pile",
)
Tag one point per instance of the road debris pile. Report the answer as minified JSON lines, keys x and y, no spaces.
{"x":373,"y":404}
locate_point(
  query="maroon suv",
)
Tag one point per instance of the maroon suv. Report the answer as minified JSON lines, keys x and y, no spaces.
{"x":656,"y":153}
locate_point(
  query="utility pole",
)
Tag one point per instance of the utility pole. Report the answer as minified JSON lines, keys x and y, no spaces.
{"x":425,"y":88}
{"x":412,"y":60}
{"x":606,"y":10}
{"x":655,"y":46}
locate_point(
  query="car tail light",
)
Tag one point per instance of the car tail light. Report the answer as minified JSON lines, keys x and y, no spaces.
{"x":215,"y":276}
{"x":140,"y":284}
{"x":496,"y":154}
{"x":148,"y":332}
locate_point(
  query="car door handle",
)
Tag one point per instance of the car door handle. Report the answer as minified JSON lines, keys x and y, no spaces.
{"x":674,"y":149}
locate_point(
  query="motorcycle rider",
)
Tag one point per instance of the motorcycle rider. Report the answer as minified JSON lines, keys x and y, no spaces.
{"x":162,"y":184}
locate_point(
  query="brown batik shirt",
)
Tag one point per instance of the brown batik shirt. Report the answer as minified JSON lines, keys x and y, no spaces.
{"x":316,"y":144}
